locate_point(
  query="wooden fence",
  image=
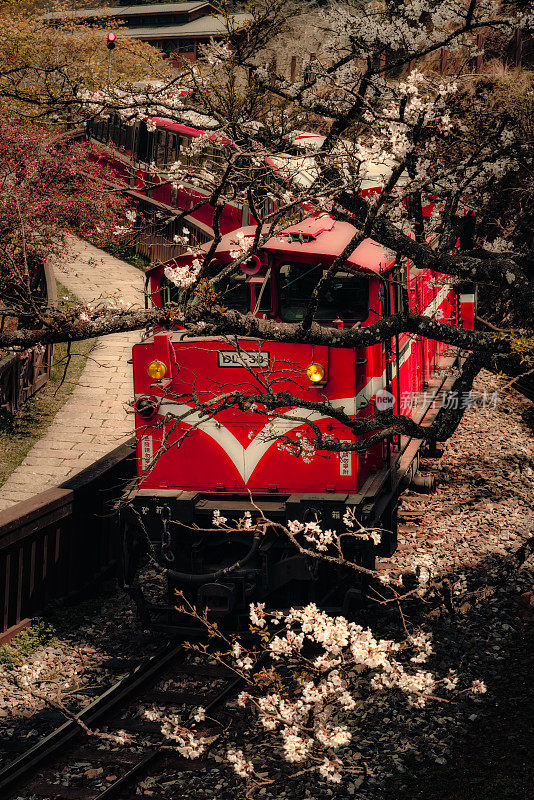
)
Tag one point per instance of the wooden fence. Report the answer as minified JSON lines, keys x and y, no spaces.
{"x":23,"y":373}
{"x":63,"y":542}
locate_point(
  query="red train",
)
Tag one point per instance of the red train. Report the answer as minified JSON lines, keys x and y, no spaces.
{"x":191,"y":463}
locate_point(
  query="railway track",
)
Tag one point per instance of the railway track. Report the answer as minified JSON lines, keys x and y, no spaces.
{"x":70,"y":764}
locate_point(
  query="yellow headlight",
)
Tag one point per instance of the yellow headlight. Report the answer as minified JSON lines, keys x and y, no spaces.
{"x":157,"y":370}
{"x":315,"y":373}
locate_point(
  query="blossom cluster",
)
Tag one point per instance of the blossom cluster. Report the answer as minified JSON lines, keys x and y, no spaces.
{"x":184,"y":276}
{"x":241,"y":765}
{"x":313,"y":533}
{"x":309,"y":720}
{"x":311,"y":714}
{"x":189,"y":743}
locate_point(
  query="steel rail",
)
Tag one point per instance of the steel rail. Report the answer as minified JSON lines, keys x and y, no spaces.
{"x":25,"y":765}
{"x":138,"y":769}
{"x":135,"y":772}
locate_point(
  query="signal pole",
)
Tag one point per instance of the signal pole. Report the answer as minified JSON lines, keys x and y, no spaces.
{"x":111,"y":46}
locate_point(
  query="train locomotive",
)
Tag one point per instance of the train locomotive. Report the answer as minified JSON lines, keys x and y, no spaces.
{"x":192,"y":462}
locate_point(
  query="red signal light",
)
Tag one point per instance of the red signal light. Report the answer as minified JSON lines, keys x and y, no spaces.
{"x":111,"y":40}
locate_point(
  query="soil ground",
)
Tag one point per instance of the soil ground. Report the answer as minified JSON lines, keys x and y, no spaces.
{"x":495,"y":761}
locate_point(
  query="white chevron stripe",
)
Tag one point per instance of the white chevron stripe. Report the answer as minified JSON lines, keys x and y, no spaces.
{"x":433,"y":306}
{"x":246,"y":459}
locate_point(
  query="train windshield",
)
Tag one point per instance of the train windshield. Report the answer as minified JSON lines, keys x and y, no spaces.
{"x":234,"y":292}
{"x":346,"y":297}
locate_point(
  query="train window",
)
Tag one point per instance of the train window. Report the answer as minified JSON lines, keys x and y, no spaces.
{"x":161,"y":148}
{"x":184,"y":145}
{"x":234,"y":291}
{"x":116,"y":131}
{"x":135,"y":141}
{"x":262,"y":298}
{"x":174,"y":145}
{"x":169,"y":292}
{"x":128,"y":137}
{"x":123,"y":136}
{"x":111,"y":130}
{"x":195,"y":158}
{"x":346,"y":297}
{"x":215,"y":157}
{"x":144,"y":143}
{"x":168,"y":144}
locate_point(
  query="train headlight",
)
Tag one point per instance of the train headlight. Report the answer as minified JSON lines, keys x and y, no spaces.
{"x":315,"y":373}
{"x":157,"y":370}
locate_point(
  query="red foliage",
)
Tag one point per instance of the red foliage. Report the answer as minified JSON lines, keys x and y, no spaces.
{"x":48,"y":187}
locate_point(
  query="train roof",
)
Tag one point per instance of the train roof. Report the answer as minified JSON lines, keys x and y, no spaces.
{"x":319,"y":236}
{"x":188,"y":130}
{"x":307,"y":139}
{"x":177,"y":127}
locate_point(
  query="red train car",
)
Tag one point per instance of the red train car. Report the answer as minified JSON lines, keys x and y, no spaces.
{"x":142,"y":153}
{"x":192,"y":462}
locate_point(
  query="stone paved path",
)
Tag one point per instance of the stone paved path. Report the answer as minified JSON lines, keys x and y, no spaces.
{"x":94,"y":420}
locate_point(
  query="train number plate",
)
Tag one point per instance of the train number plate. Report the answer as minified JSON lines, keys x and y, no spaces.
{"x":233,"y":358}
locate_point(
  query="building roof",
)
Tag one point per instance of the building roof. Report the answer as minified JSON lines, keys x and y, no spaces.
{"x":130,"y":11}
{"x":204,"y":26}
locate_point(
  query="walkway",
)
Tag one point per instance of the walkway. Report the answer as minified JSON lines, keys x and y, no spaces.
{"x":94,"y":420}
